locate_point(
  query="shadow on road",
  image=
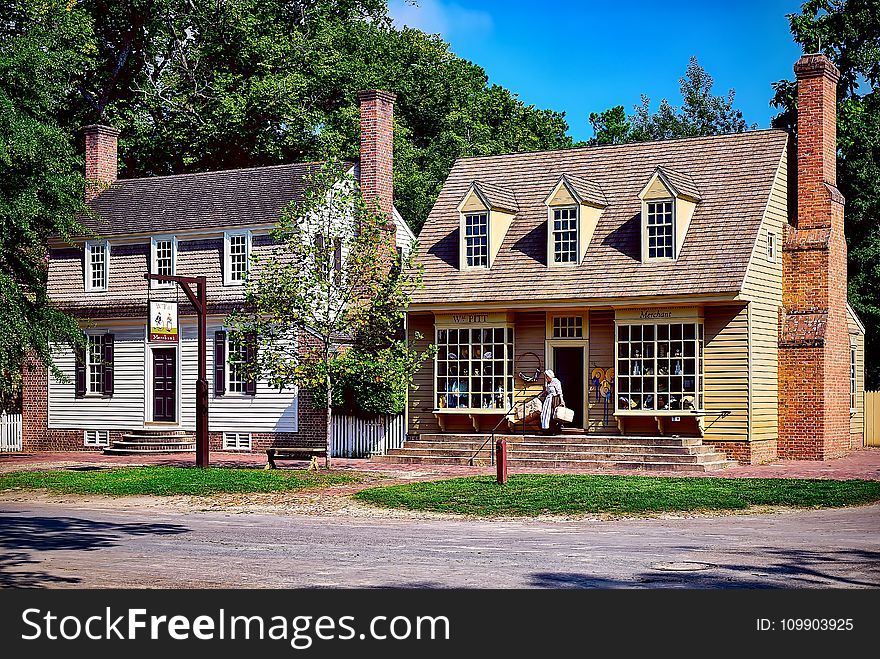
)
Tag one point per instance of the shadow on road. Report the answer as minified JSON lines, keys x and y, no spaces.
{"x":780,"y":569}
{"x":21,"y":534}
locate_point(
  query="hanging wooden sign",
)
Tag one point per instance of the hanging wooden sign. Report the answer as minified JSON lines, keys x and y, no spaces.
{"x":163,"y":322}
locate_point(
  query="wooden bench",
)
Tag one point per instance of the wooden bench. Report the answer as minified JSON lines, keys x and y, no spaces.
{"x":285,"y":453}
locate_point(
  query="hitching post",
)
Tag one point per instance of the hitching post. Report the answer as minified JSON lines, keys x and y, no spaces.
{"x":199,"y":300}
{"x":501,"y":460}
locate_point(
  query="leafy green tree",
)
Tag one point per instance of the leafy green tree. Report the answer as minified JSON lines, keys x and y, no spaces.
{"x":43,"y":45}
{"x":701,"y":113}
{"x":849,"y":34}
{"x":327,"y":306}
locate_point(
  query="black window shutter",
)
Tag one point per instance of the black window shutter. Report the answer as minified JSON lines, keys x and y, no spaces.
{"x":219,"y":363}
{"x":250,"y":357}
{"x":79,"y":355}
{"x":108,"y":364}
{"x":337,"y":255}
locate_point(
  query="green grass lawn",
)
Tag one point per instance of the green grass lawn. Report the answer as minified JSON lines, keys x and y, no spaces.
{"x":167,"y":481}
{"x":528,"y":495}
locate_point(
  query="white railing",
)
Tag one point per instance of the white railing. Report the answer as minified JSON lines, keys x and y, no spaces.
{"x":356,"y":437}
{"x":10,"y":432}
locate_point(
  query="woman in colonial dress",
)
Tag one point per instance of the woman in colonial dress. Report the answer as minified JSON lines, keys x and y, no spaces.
{"x":552,"y":399}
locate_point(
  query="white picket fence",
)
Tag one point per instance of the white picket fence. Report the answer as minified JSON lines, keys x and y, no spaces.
{"x":10,"y":432}
{"x":355,"y":437}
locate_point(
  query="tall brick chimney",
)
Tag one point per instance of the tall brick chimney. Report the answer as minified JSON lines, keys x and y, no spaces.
{"x":101,"y":164}
{"x":377,"y":123}
{"x":814,"y":340}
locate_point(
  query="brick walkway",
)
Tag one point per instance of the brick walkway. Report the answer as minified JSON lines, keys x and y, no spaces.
{"x":860,"y":464}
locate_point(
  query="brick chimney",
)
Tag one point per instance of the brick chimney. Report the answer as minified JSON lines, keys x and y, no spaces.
{"x":814,"y":340}
{"x":101,"y":165}
{"x":377,"y":123}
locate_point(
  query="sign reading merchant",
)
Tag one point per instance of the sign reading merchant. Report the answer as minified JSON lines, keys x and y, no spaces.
{"x":163,"y":322}
{"x":658,"y":314}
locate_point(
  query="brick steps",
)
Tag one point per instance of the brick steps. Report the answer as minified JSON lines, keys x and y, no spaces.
{"x":141,"y":442}
{"x":566,"y":451}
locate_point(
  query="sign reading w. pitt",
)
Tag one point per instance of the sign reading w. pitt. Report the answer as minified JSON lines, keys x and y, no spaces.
{"x":473,"y":318}
{"x":163,"y":322}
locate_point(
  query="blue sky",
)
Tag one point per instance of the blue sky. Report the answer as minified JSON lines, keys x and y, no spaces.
{"x":581,"y":57}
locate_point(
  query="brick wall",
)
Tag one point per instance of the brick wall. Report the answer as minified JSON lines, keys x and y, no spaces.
{"x":377,"y":150}
{"x":813,"y":333}
{"x":101,"y":157}
{"x":747,"y":453}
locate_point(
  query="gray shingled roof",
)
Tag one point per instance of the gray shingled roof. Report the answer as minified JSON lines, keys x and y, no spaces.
{"x":200,"y":201}
{"x":732,"y":173}
{"x":498,"y":197}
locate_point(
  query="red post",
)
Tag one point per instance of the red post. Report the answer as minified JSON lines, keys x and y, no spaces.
{"x":501,"y":460}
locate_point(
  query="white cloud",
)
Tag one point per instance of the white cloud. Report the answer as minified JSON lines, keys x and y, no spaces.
{"x":448,"y":19}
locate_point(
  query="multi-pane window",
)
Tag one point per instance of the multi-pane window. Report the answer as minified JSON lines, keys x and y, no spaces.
{"x":236,"y":257}
{"x":163,"y":260}
{"x":95,"y":364}
{"x":476,"y":240}
{"x":96,"y":266}
{"x":235,"y":357}
{"x":659,"y":367}
{"x":771,"y":247}
{"x":660,"y":230}
{"x":565,"y":238}
{"x":852,"y":377}
{"x":474,"y":368}
{"x":568,"y":327}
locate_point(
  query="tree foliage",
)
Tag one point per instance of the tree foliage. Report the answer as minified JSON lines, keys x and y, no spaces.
{"x":849,"y":33}
{"x":196,"y":85}
{"x":326,"y":307}
{"x":701,"y":113}
{"x":43,"y":45}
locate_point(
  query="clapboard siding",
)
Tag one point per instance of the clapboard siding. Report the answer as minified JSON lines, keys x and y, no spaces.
{"x":764,"y":345}
{"x":857,"y":419}
{"x":763,"y":280}
{"x":601,"y":356}
{"x":528,"y":337}
{"x":121,"y":411}
{"x":726,"y":372}
{"x":421,"y":394}
{"x":269,"y":410}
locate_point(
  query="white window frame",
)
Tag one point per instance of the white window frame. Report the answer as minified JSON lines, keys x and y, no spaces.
{"x":89,"y":364}
{"x":771,"y":247}
{"x":646,"y":205}
{"x":464,"y":240}
{"x":90,"y":246}
{"x":568,"y":327}
{"x":227,"y":257}
{"x":552,"y":234}
{"x":96,"y":438}
{"x":499,"y":402}
{"x":237,"y":441}
{"x":231,"y":369}
{"x":154,"y":260}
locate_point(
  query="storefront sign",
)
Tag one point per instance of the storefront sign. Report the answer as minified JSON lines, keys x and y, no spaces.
{"x":473,"y":318}
{"x":658,"y":314}
{"x":163,"y":322}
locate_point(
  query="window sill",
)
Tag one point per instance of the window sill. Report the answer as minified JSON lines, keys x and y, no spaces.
{"x":659,"y":412}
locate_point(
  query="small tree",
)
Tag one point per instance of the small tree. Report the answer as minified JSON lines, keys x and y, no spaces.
{"x":332,"y":292}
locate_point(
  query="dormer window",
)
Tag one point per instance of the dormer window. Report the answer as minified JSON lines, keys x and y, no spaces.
{"x":660,"y":228}
{"x":97,"y":265}
{"x":486,"y":213}
{"x":574,"y":206}
{"x":476,"y":240}
{"x":565,"y":235}
{"x":164,"y":259}
{"x":669,"y":200}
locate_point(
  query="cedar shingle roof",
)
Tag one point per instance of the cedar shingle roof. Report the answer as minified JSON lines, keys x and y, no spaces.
{"x":682,"y":182}
{"x":159,"y":204}
{"x":497,"y":197}
{"x":732,"y":174}
{"x":588,"y":191}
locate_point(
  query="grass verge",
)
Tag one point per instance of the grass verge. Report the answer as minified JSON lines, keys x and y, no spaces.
{"x":168,"y":481}
{"x":530,"y":495}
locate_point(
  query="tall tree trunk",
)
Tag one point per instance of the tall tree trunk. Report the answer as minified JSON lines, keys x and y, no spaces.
{"x":329,"y":429}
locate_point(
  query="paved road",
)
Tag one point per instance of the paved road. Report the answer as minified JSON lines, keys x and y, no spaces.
{"x":64,"y":546}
